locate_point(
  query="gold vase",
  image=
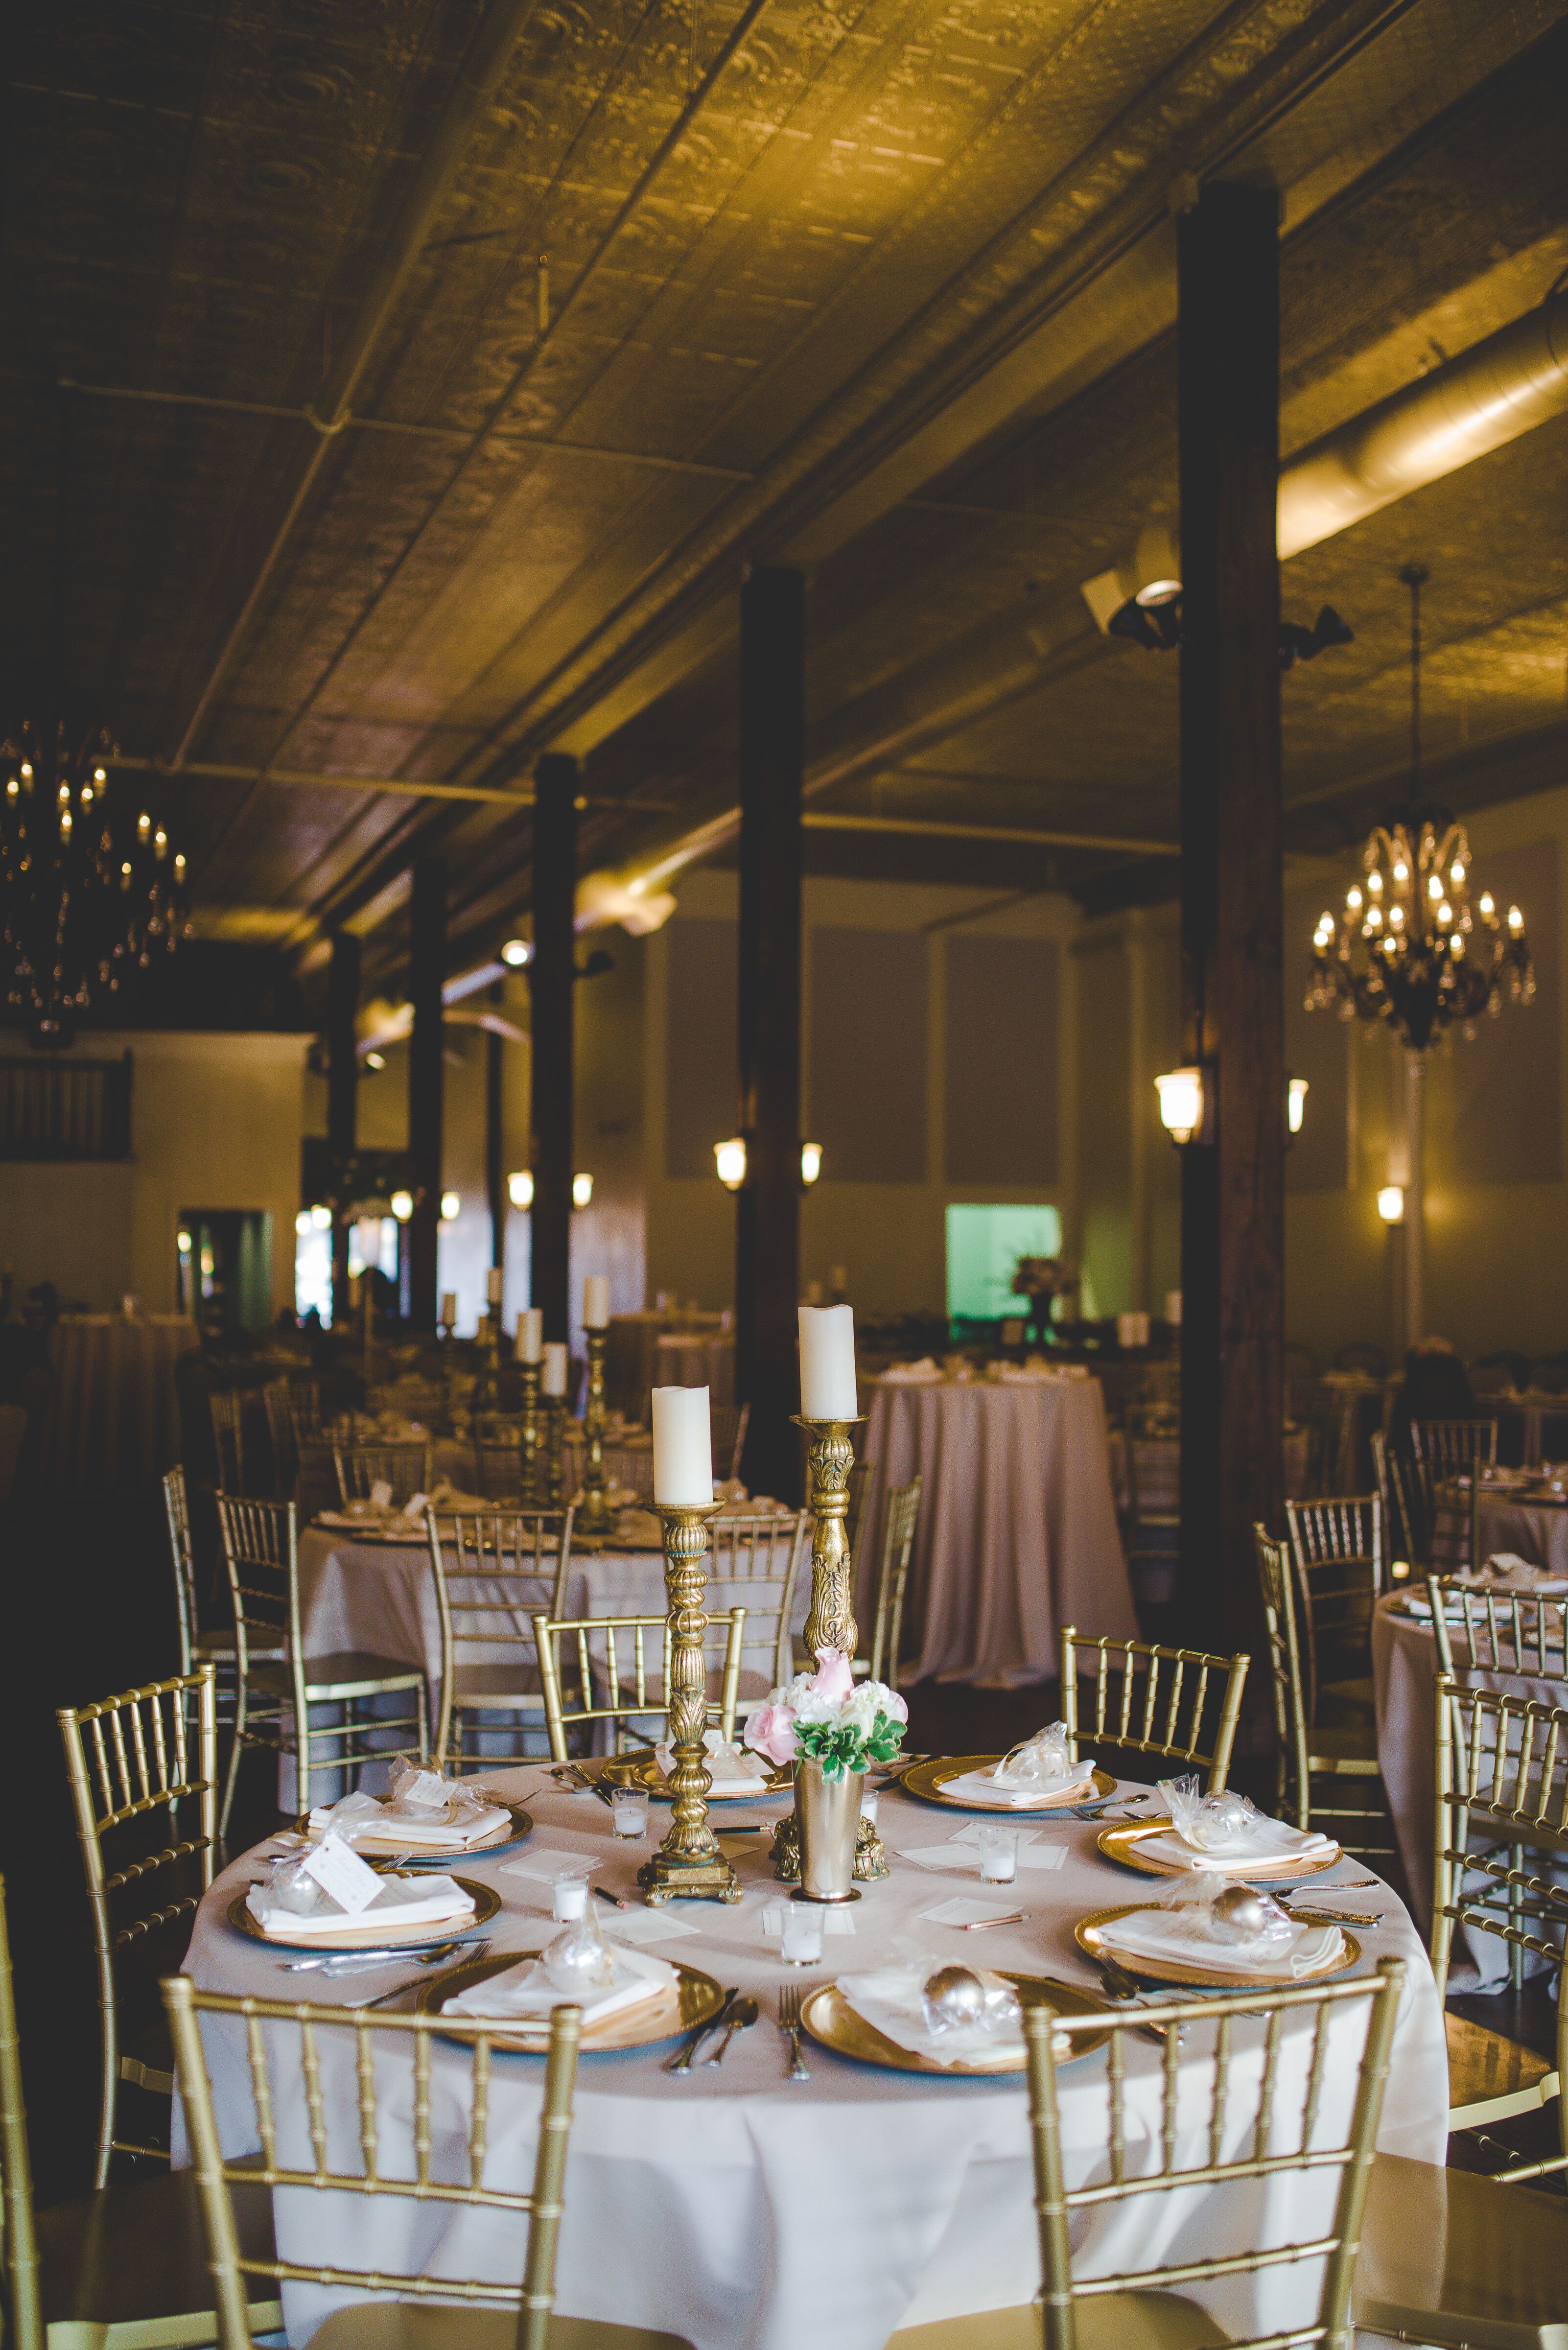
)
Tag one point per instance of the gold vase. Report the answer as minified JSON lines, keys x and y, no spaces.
{"x":829,"y":1815}
{"x":689,"y":1864}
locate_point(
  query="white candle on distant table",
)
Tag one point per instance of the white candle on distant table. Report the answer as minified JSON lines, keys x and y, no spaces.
{"x":553,"y":1382}
{"x":828,"y":1362}
{"x":449,"y":1307}
{"x":530,"y":1334}
{"x":596,"y":1302}
{"x":493,"y":1285}
{"x":683,"y":1446}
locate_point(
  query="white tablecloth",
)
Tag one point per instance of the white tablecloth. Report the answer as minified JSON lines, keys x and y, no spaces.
{"x":1537,"y":1530}
{"x":114,"y":1417}
{"x":1017,"y":1532}
{"x":748,"y":2212}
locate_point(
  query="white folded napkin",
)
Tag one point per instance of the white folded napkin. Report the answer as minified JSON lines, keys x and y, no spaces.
{"x":985,"y":1787}
{"x":525,"y":1994}
{"x":1018,"y":1375}
{"x":733,"y":1768}
{"x":401,"y":1903}
{"x":890,"y":2001}
{"x":913,"y":1374}
{"x":1270,"y":1841}
{"x":409,"y":1831}
{"x":1171,"y":1934}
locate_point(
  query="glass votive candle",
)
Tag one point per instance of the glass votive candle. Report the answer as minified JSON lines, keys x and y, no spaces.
{"x":568,"y":1897}
{"x":802,"y":1934}
{"x":628,"y":1812}
{"x":868,"y":1802}
{"x":998,"y":1855}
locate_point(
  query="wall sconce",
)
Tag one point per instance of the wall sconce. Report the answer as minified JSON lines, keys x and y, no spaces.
{"x":1182,"y":1105}
{"x":729,"y":1158}
{"x":517,"y":953}
{"x":582,"y":1189}
{"x":402,"y":1206}
{"x":1295,"y":1103}
{"x":520,"y":1188}
{"x":810,"y":1162}
{"x":1391,"y":1203}
{"x":450,"y":1204}
{"x":375,"y":1060}
{"x":321,"y":1218}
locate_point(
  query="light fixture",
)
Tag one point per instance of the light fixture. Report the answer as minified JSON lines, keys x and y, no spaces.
{"x":1391,"y":1203}
{"x":520,"y":1188}
{"x":518,"y":952}
{"x":402,"y":1206}
{"x":582,"y":1189}
{"x":375,"y":1060}
{"x":1141,"y":596}
{"x":1295,"y":1103}
{"x":321,"y":1218}
{"x":1409,"y":950}
{"x":450,"y":1204}
{"x":302,"y":1223}
{"x":729,"y":1158}
{"x":1181,"y":1102}
{"x":184,"y":1244}
{"x":810,"y":1162}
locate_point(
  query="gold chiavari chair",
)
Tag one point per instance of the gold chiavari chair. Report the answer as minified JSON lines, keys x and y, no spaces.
{"x":898,"y":1520}
{"x":753,"y":1562}
{"x":227,"y":1411}
{"x":603,"y":1667}
{"x":293,"y":1419}
{"x":408,"y":1469}
{"x":1257,"y":2096}
{"x":196,"y":1647}
{"x":631,"y":1465}
{"x":272,"y":1708}
{"x":151,"y":1750}
{"x":1501,"y":1770}
{"x":1306,"y":1752}
{"x":862,"y":1482}
{"x":120,"y":2269}
{"x":1168,"y":1719}
{"x":494,"y":1571}
{"x":1500,"y":1631}
{"x":728,"y":1424}
{"x":498,"y":1464}
{"x":1339,"y":1545}
{"x":1398,"y":1511}
{"x":1441,"y":1453}
{"x":457,"y":2157}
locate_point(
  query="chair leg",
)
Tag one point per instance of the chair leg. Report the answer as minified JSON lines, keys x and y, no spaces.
{"x":421,"y":1703}
{"x":108,"y":2098}
{"x":231,"y":1777}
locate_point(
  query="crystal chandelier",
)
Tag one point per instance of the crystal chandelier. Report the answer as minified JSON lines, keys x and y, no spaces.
{"x":88,"y":890}
{"x":1409,"y":948}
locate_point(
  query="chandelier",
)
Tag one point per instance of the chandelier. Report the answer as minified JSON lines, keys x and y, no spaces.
{"x":1409,"y":948}
{"x":88,"y":890}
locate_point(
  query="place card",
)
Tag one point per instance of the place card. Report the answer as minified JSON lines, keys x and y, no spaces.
{"x":341,"y":1874}
{"x":546,"y":1862}
{"x":642,"y":1926}
{"x":963,"y":1912}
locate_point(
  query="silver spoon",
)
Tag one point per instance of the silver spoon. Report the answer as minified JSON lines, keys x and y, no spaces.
{"x":742,"y":2017}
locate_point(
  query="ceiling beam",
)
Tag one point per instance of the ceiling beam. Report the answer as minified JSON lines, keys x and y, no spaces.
{"x":817,"y":820}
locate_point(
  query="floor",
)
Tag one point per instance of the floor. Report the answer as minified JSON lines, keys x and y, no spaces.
{"x":91,"y":1606}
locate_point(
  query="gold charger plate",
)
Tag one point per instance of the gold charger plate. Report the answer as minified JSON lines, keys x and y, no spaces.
{"x":925,"y":1782}
{"x":499,"y":1840}
{"x":486,"y":1902}
{"x":693,"y":1999}
{"x":829,"y":2018}
{"x":1088,"y":1938}
{"x":1120,"y":1844}
{"x":642,"y":1771}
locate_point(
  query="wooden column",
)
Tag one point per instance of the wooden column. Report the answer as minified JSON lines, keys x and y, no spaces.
{"x":1232,"y":1196}
{"x":427,"y":975}
{"x":342,"y":1096}
{"x":767,"y":1242}
{"x":494,"y":1175}
{"x":550,"y":978}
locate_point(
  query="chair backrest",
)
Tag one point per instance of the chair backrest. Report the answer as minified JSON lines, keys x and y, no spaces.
{"x":284,"y":1437}
{"x":1499,"y":1631}
{"x":728,"y":1423}
{"x":1398,"y":1513}
{"x":1501,"y":1770}
{"x":1340,"y":1553}
{"x":421,"y":2135}
{"x":1153,"y":1479}
{"x":261,"y":1557}
{"x":900,"y":1519}
{"x":1276,"y":1580}
{"x":23,"y":2300}
{"x":862,"y":1480}
{"x":494,"y":1570}
{"x":1281,"y":2088}
{"x":1167,"y":1718}
{"x":228,"y":1412}
{"x":1451,"y":1447}
{"x":632,"y":1465}
{"x":177,"y":1515}
{"x":498,"y":1464}
{"x":150,"y":1750}
{"x":753,"y":1562}
{"x":632,"y":1692}
{"x":408,"y":1469}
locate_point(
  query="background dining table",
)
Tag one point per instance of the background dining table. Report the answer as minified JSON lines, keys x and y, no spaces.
{"x":745,"y":2211}
{"x":114,"y":1417}
{"x":1017,"y":1532}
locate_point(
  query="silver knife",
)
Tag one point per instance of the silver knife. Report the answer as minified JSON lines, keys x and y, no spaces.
{"x":681,"y":2061}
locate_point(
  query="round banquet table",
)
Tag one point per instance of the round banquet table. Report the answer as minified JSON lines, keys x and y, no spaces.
{"x":1017,"y":1532}
{"x":1531,"y":1527}
{"x":748,"y":2212}
{"x":114,"y":1417}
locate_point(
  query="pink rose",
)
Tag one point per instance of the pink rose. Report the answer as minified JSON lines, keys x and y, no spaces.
{"x":771,"y":1731}
{"x":833,"y":1677}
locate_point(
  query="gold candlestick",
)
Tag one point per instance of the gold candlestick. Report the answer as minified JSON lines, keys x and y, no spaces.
{"x":530,"y":1437}
{"x":593,"y":1517}
{"x":554,"y":1441}
{"x":688,"y":1864}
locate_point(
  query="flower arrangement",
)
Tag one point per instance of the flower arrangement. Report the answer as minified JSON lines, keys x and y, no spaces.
{"x":830,"y":1718}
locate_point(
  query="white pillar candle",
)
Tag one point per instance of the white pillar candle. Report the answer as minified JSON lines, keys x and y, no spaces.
{"x":530,"y":1334}
{"x":596,"y":1302}
{"x":449,"y":1307}
{"x":493,"y":1285}
{"x":553,"y":1382}
{"x":828,"y":1362}
{"x":683,"y":1446}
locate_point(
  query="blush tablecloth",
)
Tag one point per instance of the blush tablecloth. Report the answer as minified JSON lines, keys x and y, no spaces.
{"x":748,"y":2212}
{"x":114,"y":1417}
{"x":1017,"y":1532}
{"x":1534,"y":1530}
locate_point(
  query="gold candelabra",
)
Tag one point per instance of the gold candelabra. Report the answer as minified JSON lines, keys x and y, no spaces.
{"x":530,"y":1436}
{"x":555,"y":1445}
{"x":593,"y":1517}
{"x":688,"y":1864}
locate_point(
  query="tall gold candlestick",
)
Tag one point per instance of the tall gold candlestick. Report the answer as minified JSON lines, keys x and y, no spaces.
{"x":593,"y":1517}
{"x":530,"y":1436}
{"x":554,"y":1445}
{"x":688,"y":1864}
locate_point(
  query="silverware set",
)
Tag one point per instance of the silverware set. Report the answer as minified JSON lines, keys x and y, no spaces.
{"x":336,"y":1963}
{"x":789,"y":2024}
{"x":682,"y":2060}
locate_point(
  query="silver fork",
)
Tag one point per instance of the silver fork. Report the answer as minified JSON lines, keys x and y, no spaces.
{"x":789,"y":2024}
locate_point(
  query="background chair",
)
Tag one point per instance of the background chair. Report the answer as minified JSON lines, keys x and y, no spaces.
{"x":493,"y":1572}
{"x":272,"y":1708}
{"x":1153,"y":1528}
{"x":634,"y":1704}
{"x":1306,"y":1752}
{"x":152,"y":1750}
{"x":728,"y":1422}
{"x":408,"y":1469}
{"x":452,"y":2149}
{"x":227,"y":1413}
{"x":1499,"y":1631}
{"x":1339,"y":1550}
{"x":753,"y":1562}
{"x":632,"y":1465}
{"x":1393,"y":1482}
{"x":498,"y":1461}
{"x":1168,"y":1719}
{"x":1442,"y":1450}
{"x":900,"y":1519}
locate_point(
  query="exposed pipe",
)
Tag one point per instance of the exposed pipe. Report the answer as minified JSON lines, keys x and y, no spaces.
{"x":311,"y":779}
{"x":483,"y":63}
{"x":917,"y":826}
